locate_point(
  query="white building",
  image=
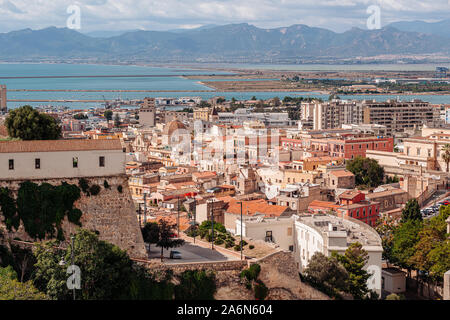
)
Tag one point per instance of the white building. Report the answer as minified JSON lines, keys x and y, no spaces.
{"x":277,"y":230}
{"x":49,"y":159}
{"x":327,"y":233}
{"x":305,"y":235}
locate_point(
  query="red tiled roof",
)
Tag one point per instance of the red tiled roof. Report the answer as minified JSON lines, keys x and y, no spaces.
{"x":256,"y":206}
{"x":323,"y":204}
{"x":341,"y":173}
{"x":58,"y":145}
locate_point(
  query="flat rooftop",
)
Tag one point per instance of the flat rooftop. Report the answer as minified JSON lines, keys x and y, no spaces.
{"x":356,"y":231}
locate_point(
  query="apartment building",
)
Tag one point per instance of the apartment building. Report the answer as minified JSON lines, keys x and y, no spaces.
{"x":399,"y":116}
{"x":395,"y":115}
{"x":351,"y":204}
{"x":335,"y":113}
{"x":276,"y":119}
{"x":351,"y":147}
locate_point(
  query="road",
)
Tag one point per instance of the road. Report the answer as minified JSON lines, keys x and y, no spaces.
{"x":437,"y":197}
{"x":190,"y":253}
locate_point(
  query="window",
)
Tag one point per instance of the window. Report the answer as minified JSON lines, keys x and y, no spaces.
{"x":37,"y":163}
{"x":289,"y":231}
{"x":75,"y":162}
{"x":11,"y":164}
{"x":101,"y":161}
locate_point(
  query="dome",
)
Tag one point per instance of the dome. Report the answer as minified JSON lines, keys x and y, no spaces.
{"x":172,"y":126}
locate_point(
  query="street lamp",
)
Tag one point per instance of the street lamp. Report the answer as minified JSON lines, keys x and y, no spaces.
{"x":72,"y":249}
{"x":145,"y":208}
{"x":178,"y":216}
{"x":240,"y":202}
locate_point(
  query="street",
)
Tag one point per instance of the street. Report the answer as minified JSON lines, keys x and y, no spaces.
{"x":190,"y":253}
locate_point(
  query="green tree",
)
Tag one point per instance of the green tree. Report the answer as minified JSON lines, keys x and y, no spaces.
{"x":12,"y":289}
{"x":196,"y":285}
{"x":145,"y":286}
{"x":105,"y":268}
{"x":327,"y":271}
{"x":80,"y":116}
{"x":166,"y":241}
{"x":108,"y":115}
{"x":411,"y":211}
{"x":406,"y":236}
{"x":354,"y":259}
{"x":367,"y":171}
{"x":27,"y":123}
{"x":117,"y":121}
{"x":385,"y":227}
{"x":432,"y":251}
{"x":446,"y":154}
{"x":150,"y":233}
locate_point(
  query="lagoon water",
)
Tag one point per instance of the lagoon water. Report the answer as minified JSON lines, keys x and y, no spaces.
{"x":165,"y":81}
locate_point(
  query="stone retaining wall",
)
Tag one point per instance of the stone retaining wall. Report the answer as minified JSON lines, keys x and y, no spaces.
{"x":111,"y":213}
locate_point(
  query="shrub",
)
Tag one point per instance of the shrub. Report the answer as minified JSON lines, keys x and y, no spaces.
{"x":393,"y":296}
{"x":196,"y":285}
{"x":218,"y":241}
{"x":84,"y":185}
{"x":237,"y":248}
{"x":119,"y":188}
{"x":228,"y":244}
{"x":106,"y":184}
{"x":254,"y":271}
{"x":94,"y":189}
{"x":261,"y":290}
{"x":251,"y":247}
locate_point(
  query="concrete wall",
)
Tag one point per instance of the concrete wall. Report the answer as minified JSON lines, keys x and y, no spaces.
{"x":282,"y":231}
{"x":60,"y":164}
{"x":394,"y":283}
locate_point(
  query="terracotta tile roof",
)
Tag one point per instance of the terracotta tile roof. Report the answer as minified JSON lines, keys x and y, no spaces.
{"x":58,"y":145}
{"x":341,"y":173}
{"x":323,"y":205}
{"x":350,"y":194}
{"x":204,"y":175}
{"x":256,"y":206}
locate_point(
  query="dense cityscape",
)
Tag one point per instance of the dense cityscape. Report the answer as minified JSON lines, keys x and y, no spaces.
{"x":191,"y":181}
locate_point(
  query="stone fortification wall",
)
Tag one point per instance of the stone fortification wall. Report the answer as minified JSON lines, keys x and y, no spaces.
{"x":111,"y":213}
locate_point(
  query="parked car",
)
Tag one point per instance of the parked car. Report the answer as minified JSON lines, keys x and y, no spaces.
{"x":175,"y":254}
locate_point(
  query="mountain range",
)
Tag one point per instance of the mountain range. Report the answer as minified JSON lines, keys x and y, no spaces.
{"x":233,"y":42}
{"x":440,"y":28}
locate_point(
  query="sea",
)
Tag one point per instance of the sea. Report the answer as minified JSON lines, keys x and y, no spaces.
{"x":157,"y":82}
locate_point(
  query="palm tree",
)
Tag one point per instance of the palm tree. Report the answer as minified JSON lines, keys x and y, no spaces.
{"x":446,"y":154}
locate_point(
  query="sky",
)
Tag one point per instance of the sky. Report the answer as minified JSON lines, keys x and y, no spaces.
{"x":115,"y":15}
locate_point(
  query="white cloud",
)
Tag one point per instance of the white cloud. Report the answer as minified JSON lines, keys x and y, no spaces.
{"x":337,"y":15}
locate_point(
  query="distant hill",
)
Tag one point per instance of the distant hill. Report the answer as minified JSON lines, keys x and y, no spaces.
{"x":108,"y":34}
{"x":218,"y":43}
{"x":441,"y":28}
